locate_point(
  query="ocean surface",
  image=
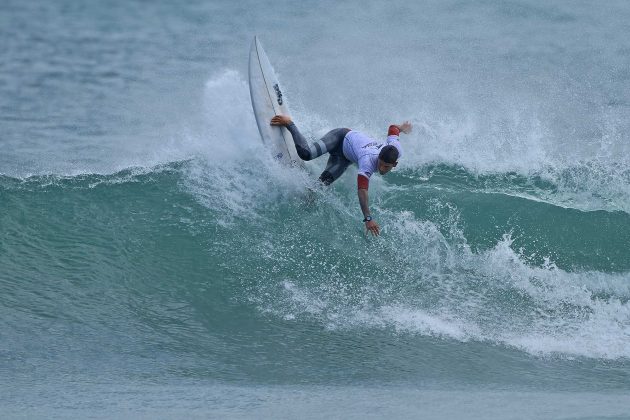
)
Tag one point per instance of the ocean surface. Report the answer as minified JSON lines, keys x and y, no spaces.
{"x":156,"y":262}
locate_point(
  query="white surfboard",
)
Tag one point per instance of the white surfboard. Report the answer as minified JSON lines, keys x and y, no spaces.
{"x":267,"y":101}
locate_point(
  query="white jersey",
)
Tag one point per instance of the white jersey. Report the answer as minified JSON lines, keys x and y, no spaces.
{"x":360,"y":149}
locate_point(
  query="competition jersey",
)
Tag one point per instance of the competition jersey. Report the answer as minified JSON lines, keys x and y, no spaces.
{"x":360,"y":149}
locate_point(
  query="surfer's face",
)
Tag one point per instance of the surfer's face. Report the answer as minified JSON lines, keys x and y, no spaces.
{"x":384,"y":167}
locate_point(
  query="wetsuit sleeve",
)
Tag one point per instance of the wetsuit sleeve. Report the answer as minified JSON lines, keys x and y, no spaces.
{"x":393,"y":131}
{"x":301,"y":145}
{"x":365,"y":172}
{"x":393,"y":138}
{"x":363,"y":182}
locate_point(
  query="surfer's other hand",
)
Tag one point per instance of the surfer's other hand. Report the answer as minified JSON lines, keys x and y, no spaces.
{"x":373,"y":227}
{"x":281,"y":120}
{"x":405,"y":127}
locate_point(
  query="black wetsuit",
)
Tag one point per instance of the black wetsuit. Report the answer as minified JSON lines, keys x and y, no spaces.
{"x":331,"y":143}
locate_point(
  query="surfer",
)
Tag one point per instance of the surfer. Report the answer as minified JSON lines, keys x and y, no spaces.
{"x":347,"y":146}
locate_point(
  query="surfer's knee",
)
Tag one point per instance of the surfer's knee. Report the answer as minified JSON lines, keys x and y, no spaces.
{"x":303,"y":153}
{"x":326,"y":178}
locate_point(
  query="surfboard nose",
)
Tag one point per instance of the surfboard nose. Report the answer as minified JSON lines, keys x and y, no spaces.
{"x":267,"y":101}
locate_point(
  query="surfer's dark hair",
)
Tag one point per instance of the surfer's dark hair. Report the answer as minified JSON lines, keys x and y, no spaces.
{"x":389,"y":154}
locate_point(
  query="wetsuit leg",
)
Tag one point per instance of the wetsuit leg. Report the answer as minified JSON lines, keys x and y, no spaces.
{"x":337,"y":162}
{"x":336,"y":166}
{"x":331,"y":141}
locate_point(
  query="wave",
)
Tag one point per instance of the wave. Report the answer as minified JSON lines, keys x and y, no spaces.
{"x":307,"y":260}
{"x":516,"y":148}
{"x":528,"y":258}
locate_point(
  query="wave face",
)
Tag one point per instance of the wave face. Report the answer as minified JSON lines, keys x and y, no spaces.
{"x":149,"y":246}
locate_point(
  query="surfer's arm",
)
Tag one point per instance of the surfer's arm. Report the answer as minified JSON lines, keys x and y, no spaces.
{"x":363,"y":183}
{"x":363,"y":196}
{"x":395,"y":130}
{"x":281,"y":120}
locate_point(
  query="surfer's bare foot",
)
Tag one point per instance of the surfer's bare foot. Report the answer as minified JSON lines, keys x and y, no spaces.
{"x":281,"y":120}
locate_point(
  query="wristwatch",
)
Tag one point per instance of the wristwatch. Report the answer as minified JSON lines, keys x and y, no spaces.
{"x":367,"y":219}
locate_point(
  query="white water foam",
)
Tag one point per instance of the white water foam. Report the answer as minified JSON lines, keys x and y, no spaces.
{"x":510,"y":139}
{"x":513,"y":139}
{"x":233,"y":174}
{"x":442,"y":289}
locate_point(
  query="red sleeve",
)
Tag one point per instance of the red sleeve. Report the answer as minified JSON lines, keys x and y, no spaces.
{"x":363,"y":182}
{"x":393,"y":131}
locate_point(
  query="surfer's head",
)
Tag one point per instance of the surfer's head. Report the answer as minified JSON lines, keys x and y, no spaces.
{"x":387,"y":159}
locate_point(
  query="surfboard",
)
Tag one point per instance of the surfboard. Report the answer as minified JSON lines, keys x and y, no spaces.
{"x":267,"y":101}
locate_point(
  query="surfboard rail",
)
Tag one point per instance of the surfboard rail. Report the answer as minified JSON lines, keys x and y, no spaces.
{"x":268,"y":100}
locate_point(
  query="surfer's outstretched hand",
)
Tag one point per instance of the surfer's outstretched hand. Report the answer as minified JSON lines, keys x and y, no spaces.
{"x":281,"y":120}
{"x":373,"y":228}
{"x":405,"y":127}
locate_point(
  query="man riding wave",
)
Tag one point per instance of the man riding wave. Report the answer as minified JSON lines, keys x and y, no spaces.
{"x":346,"y":146}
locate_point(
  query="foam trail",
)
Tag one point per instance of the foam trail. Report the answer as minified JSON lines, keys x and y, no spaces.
{"x":235,"y":175}
{"x":443,"y":289}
